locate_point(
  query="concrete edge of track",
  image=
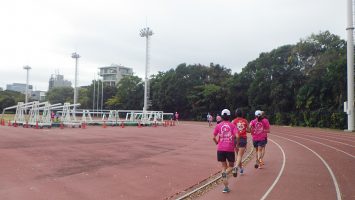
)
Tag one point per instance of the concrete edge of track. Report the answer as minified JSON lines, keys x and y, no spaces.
{"x":212,"y":181}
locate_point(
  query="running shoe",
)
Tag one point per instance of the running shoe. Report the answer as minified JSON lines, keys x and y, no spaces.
{"x":235,"y":171}
{"x":261,"y":162}
{"x":226,"y":190}
{"x":256,"y":164}
{"x":241,"y":170}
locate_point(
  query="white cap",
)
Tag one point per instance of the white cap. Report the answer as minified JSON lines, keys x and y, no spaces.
{"x":226,"y":111}
{"x":258,"y":113}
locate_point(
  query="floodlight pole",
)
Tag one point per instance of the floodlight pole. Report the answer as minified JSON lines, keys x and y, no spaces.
{"x":76,"y":57}
{"x":27,"y":68}
{"x":146,"y":32}
{"x":93,"y":96}
{"x":350,"y":65}
{"x":98,"y":97}
{"x":102,"y":94}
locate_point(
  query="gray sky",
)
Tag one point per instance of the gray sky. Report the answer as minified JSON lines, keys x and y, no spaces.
{"x":44,"y":33}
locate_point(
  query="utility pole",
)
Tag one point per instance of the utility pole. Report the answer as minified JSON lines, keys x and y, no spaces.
{"x":27,"y":68}
{"x":350,"y":66}
{"x":76,"y":57}
{"x":146,"y":32}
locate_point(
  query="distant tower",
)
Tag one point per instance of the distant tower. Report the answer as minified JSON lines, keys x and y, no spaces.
{"x":57,"y":80}
{"x":146,"y":32}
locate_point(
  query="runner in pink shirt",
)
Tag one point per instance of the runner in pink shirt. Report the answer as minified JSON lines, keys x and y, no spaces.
{"x":259,"y":128}
{"x":224,"y":136}
{"x":264,"y":148}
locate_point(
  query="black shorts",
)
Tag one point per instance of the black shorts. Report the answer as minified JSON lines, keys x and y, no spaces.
{"x":242,"y":142}
{"x":222,"y":156}
{"x":261,"y":143}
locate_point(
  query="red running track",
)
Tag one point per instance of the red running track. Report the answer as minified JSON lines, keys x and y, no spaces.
{"x":318,"y":164}
{"x":156,"y":163}
{"x":104,"y":163}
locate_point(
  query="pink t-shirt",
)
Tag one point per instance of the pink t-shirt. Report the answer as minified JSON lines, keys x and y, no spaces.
{"x":226,"y":134}
{"x":259,"y":129}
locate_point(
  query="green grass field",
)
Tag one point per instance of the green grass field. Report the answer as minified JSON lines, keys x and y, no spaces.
{"x":7,"y":117}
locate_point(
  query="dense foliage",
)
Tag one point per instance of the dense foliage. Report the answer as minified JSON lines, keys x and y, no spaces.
{"x":10,"y":98}
{"x":302,"y":84}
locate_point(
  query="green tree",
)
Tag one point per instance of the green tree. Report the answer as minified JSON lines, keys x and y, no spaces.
{"x":129,"y":96}
{"x":60,"y":95}
{"x":10,"y":98}
{"x":84,"y":98}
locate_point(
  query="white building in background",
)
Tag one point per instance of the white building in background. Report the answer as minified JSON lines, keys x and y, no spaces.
{"x":114,"y":73}
{"x":33,"y":95}
{"x":57,"y":80}
{"x":19,"y":87}
{"x":38,"y":95}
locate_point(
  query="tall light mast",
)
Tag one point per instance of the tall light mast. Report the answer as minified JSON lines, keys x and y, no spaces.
{"x":350,"y":66}
{"x":76,"y":57}
{"x":146,"y":32}
{"x":27,"y":68}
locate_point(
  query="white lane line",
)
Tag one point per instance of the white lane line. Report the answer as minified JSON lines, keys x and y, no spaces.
{"x":324,"y":145}
{"x":343,"y":143}
{"x":329,"y":134}
{"x":336,"y":185}
{"x":280,"y":173}
{"x":321,"y":137}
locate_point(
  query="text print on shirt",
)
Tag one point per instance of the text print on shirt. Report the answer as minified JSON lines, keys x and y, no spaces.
{"x":259,"y":128}
{"x":240,"y":126}
{"x":226,"y":134}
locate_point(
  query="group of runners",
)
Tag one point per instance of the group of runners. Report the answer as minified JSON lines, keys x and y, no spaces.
{"x":210,"y":119}
{"x":231,"y":139}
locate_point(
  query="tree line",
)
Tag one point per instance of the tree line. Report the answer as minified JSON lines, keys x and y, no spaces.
{"x":302,"y":85}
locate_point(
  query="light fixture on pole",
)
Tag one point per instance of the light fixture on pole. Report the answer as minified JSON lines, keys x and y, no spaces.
{"x":146,"y":32}
{"x":76,"y":57}
{"x":27,"y":68}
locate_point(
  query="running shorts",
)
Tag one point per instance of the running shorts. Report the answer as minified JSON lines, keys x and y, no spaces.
{"x":222,"y":156}
{"x":261,"y":143}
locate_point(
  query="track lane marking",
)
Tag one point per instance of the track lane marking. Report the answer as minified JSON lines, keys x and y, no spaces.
{"x":280,"y":173}
{"x":346,"y":144}
{"x":324,"y":133}
{"x":336,"y":185}
{"x":320,"y":137}
{"x":324,"y":145}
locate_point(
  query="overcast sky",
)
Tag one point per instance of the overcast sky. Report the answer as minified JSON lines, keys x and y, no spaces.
{"x":44,"y":33}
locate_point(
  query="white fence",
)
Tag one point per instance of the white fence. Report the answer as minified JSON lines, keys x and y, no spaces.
{"x":40,"y":114}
